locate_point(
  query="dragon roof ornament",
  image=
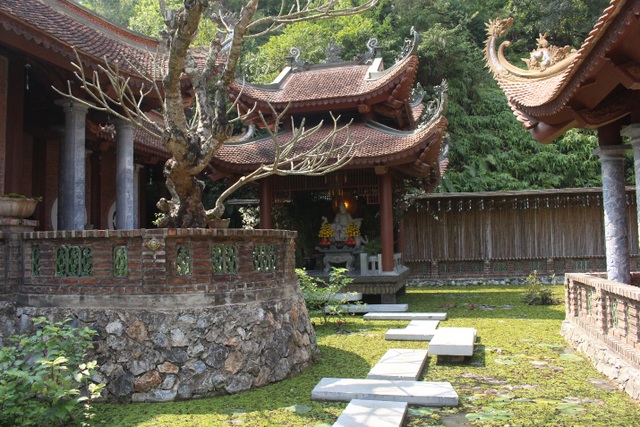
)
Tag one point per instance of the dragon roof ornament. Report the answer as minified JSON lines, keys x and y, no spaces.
{"x":436,"y":107}
{"x":410,"y":46}
{"x":545,"y":61}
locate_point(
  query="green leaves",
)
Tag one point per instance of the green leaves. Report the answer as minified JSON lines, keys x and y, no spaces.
{"x":42,"y":375}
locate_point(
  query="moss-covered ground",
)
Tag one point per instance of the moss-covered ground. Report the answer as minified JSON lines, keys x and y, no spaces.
{"x":522,"y":373}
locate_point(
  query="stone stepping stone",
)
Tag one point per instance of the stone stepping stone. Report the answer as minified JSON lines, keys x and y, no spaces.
{"x":348,"y":296}
{"x":413,"y":392}
{"x":368,"y":308}
{"x":453,"y":342}
{"x":416,"y":330}
{"x":405,"y":316}
{"x":372,"y":413}
{"x":399,"y":364}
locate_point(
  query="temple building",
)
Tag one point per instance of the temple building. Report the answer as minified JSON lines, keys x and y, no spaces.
{"x":594,"y":87}
{"x":94,"y":171}
{"x":80,"y":161}
{"x":394,"y":137}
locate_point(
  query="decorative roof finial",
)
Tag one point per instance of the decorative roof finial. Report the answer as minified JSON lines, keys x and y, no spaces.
{"x":294,"y":61}
{"x":333,"y":52}
{"x":410,"y":46}
{"x":435,"y":108}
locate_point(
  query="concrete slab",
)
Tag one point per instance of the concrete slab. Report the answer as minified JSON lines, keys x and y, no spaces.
{"x":346,"y":296}
{"x":416,"y":330}
{"x":453,"y":342}
{"x":368,"y":308}
{"x":372,"y":413}
{"x":405,"y":316}
{"x":413,"y":392}
{"x":399,"y":363}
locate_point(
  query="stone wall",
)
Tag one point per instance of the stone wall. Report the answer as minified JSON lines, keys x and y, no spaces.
{"x":179,"y":313}
{"x":162,"y":355}
{"x":602,"y":322}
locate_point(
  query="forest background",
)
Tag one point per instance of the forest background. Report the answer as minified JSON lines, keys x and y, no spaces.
{"x":489,"y":150}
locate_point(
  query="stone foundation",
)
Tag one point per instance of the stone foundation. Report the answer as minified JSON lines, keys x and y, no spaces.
{"x":179,"y":313}
{"x":171,"y":354}
{"x":606,"y":361}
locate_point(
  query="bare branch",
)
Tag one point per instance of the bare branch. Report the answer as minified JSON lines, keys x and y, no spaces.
{"x":326,"y":156}
{"x":124,"y":103}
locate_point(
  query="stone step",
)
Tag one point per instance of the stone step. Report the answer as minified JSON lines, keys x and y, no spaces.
{"x":372,"y":413}
{"x":346,"y":296}
{"x":453,"y":342}
{"x":405,"y":316}
{"x":416,"y":330}
{"x":399,"y":364}
{"x":368,"y":308}
{"x":413,"y":392}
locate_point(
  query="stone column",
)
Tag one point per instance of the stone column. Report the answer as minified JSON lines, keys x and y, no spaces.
{"x":124,"y":175}
{"x":615,"y":212}
{"x":71,"y":192}
{"x":633,"y":131}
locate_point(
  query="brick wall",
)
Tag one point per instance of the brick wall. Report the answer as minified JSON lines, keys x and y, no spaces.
{"x":85,"y":266}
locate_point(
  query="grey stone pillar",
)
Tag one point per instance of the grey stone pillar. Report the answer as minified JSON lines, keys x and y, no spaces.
{"x":633,"y":131}
{"x":615,"y":212}
{"x":124,"y":176}
{"x":136,"y":196}
{"x":71,"y":191}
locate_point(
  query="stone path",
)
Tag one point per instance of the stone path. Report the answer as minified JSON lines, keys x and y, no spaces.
{"x":422,"y":393}
{"x":453,"y":342}
{"x":381,"y":399}
{"x":405,"y":316}
{"x":368,"y":308}
{"x":416,"y":330}
{"x":374,"y":413}
{"x":399,"y":363}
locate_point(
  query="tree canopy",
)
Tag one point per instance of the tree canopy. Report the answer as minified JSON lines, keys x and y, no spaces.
{"x":489,"y":149}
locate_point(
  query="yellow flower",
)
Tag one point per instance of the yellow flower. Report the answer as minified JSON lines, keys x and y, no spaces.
{"x":325,"y":231}
{"x":352,"y":230}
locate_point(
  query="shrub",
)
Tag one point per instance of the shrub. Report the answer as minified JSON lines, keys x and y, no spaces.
{"x":44,"y":380}
{"x":321,"y":296}
{"x":537,"y":292}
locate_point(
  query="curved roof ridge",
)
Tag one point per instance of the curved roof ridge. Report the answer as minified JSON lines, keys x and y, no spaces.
{"x":557,"y":86}
{"x":102,"y":23}
{"x":318,"y":85}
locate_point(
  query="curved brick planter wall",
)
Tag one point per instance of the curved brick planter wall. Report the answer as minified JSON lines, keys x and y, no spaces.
{"x":179,"y":313}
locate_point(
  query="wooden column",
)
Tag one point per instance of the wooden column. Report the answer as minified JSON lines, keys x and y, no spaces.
{"x":14,"y":130}
{"x":386,"y":217}
{"x":266,"y":202}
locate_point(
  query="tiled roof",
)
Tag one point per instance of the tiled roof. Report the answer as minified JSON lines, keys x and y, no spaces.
{"x":546,"y":94}
{"x":60,"y":25}
{"x":380,"y":146}
{"x":329,"y":85}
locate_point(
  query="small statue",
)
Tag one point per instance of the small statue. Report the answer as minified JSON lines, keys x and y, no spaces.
{"x":340,"y":223}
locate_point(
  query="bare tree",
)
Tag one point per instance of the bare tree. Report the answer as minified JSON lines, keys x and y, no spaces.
{"x":193,"y":141}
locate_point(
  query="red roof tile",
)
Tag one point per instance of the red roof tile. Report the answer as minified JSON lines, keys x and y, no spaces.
{"x":382,"y":146}
{"x":329,"y":85}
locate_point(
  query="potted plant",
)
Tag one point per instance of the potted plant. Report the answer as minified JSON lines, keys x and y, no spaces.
{"x":15,"y":205}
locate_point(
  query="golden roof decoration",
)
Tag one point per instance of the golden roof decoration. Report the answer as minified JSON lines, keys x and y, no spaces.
{"x":543,"y":62}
